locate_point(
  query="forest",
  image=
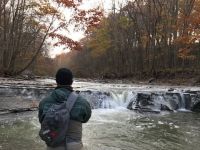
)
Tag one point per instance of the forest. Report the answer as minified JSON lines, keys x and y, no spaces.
{"x":139,"y":39}
{"x":143,"y":39}
{"x":30,"y":28}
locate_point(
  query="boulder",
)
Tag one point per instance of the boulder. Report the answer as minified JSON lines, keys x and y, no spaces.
{"x":27,"y":75}
{"x":196,"y":107}
{"x":152,"y":80}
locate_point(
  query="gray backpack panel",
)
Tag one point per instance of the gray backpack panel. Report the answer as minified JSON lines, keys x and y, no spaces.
{"x":56,"y":121}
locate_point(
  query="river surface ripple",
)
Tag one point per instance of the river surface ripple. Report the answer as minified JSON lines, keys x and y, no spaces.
{"x":114,"y":129}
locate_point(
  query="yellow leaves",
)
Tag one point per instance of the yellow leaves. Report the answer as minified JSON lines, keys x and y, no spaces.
{"x":99,"y":50}
{"x":33,"y":4}
{"x":47,"y":9}
{"x":34,"y":23}
{"x":100,"y":42}
{"x":125,"y":23}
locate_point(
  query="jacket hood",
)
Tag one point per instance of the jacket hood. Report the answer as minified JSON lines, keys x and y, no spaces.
{"x":60,"y":95}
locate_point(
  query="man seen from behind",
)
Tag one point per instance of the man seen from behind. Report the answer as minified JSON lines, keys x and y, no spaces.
{"x":80,"y":112}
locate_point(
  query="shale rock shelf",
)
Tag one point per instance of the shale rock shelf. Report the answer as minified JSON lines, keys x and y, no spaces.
{"x":17,"y":96}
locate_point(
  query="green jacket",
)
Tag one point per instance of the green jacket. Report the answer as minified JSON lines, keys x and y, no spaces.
{"x":81,"y":110}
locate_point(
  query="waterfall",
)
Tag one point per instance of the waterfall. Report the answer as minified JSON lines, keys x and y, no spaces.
{"x":182,"y":102}
{"x":108,"y":100}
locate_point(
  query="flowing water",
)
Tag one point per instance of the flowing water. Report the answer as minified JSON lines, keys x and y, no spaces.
{"x":112,"y":126}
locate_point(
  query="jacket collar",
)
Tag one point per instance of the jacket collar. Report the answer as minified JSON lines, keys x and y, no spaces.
{"x":68,"y":87}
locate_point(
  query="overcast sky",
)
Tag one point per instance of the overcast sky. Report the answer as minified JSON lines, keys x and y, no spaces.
{"x":106,"y":4}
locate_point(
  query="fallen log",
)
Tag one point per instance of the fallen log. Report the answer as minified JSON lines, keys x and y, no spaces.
{"x":17,"y":110}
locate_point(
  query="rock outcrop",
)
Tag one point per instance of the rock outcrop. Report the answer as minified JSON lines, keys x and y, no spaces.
{"x":169,"y":101}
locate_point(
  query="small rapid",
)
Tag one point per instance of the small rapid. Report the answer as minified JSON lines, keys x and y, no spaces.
{"x":112,"y":126}
{"x":108,"y":100}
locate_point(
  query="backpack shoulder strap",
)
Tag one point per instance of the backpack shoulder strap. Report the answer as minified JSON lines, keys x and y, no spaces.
{"x":71,"y":100}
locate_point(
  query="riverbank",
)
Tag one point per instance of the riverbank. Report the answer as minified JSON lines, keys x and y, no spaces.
{"x":49,"y":82}
{"x":194,"y":81}
{"x":186,"y":77}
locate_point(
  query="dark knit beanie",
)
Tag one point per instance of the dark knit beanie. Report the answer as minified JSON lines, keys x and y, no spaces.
{"x":64,"y":77}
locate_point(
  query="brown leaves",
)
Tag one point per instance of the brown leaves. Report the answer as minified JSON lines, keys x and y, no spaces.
{"x":187,"y":47}
{"x":69,"y":3}
{"x":185,"y":53}
{"x":188,"y":29}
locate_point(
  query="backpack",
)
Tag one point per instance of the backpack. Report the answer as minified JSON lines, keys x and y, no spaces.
{"x":55,"y":123}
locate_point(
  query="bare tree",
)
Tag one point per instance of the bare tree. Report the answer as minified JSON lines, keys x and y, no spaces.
{"x":22,"y":35}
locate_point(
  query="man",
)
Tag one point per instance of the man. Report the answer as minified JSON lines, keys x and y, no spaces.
{"x":80,"y":113}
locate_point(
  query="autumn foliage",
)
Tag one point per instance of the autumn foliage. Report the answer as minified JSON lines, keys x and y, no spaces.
{"x":142,"y":38}
{"x":26,"y":27}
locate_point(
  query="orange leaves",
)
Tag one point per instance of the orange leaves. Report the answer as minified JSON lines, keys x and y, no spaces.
{"x":80,"y":16}
{"x":82,"y":19}
{"x":188,"y":29}
{"x":52,"y":13}
{"x":92,"y":16}
{"x":63,"y":40}
{"x":183,"y":40}
{"x":87,"y":19}
{"x":95,"y":18}
{"x":186,"y":43}
{"x":69,"y":3}
{"x":82,"y":13}
{"x":185,"y":53}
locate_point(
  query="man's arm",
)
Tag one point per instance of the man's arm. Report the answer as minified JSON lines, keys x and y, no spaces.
{"x":81,"y":111}
{"x":87,"y":112}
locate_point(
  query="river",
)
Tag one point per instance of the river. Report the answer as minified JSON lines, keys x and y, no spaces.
{"x":115,"y":128}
